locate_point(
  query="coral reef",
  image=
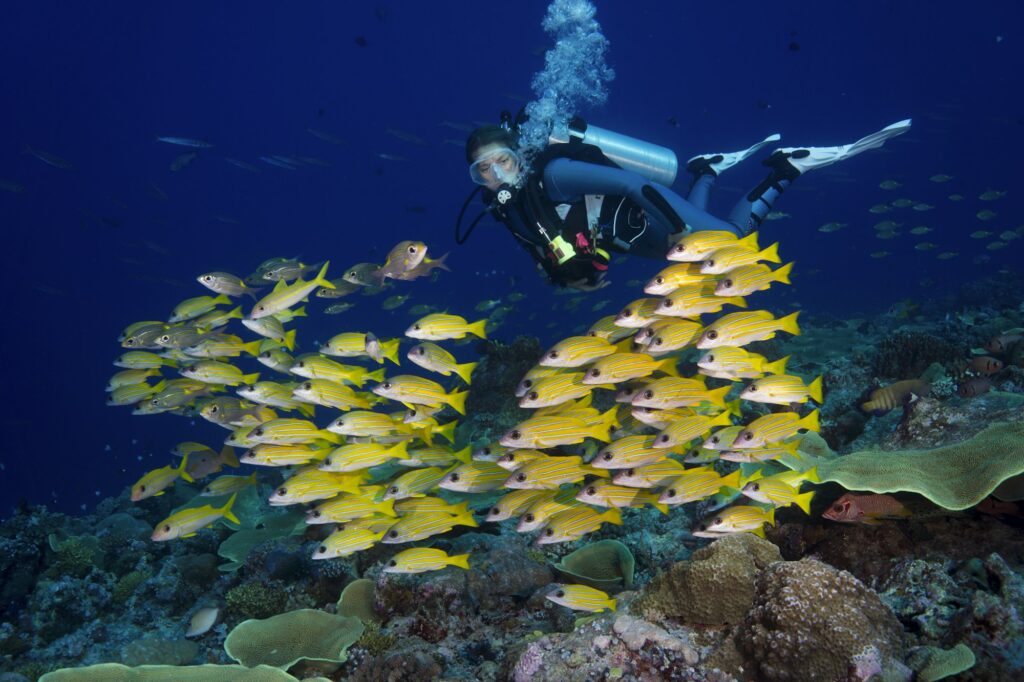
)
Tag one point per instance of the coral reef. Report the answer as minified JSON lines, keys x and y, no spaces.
{"x":906,"y":354}
{"x":287,"y":638}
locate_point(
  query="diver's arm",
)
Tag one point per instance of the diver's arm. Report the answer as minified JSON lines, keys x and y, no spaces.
{"x":566,"y":181}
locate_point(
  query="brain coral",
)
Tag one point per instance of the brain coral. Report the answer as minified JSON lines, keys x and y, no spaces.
{"x":716,"y":586}
{"x":809,"y":620}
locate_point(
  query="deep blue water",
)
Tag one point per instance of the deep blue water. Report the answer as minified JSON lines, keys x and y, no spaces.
{"x":91,"y":249}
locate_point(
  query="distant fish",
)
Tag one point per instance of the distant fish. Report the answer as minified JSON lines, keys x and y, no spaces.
{"x":956,"y":197}
{"x":920,"y":229}
{"x":183,"y":160}
{"x":275,"y":161}
{"x":986,"y":214}
{"x":882,"y":400}
{"x":47,"y":157}
{"x":946,"y":255}
{"x":406,"y":136}
{"x":156,"y":192}
{"x":184,"y":142}
{"x":986,"y":364}
{"x":980,"y":234}
{"x":831,"y":227}
{"x":244,"y":165}
{"x":923,"y":207}
{"x":880,"y":208}
{"x":991,"y":195}
{"x":902,"y":203}
{"x":974,"y":387}
{"x":391,"y":157}
{"x":890,"y":184}
{"x":867,"y":509}
{"x":326,"y":137}
{"x":455,"y":125}
{"x":776,"y":215}
{"x":313,"y":161}
{"x":925,"y":246}
{"x":941,"y":177}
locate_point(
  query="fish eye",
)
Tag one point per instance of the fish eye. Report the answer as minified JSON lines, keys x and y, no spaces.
{"x":626,"y":312}
{"x":416,"y":327}
{"x":282,"y":491}
{"x":727,"y":283}
{"x":495,"y":511}
{"x":663,"y":438}
{"x":680,"y":248}
{"x":608,"y":456}
{"x":454,"y":478}
{"x":560,"y":593}
{"x":213,"y":409}
{"x":300,"y":363}
{"x":549,"y":531}
{"x":258,"y":432}
{"x":671,"y":492}
{"x":748,"y":435}
{"x":595,"y":372}
{"x":393,"y":489}
{"x":553,"y":354}
{"x":142,"y":488}
{"x":515,"y":435}
{"x":412,"y":249}
{"x":648,"y":394}
{"x":521,"y":478}
{"x":130,"y":342}
{"x":327,"y":461}
{"x":709,"y":263}
{"x":486,"y":450}
{"x":710,"y":358}
{"x":718,"y":521}
{"x":757,"y":486}
{"x":529,"y":518}
{"x":591,"y":490}
{"x":315,"y":513}
{"x":167,"y":528}
{"x":712,"y":334}
{"x":659,"y":280}
{"x":393,"y":534}
{"x":630,"y":472}
{"x":657,"y":341}
{"x":248,"y":454}
{"x":307,"y":386}
{"x":421,"y":350}
{"x":260,"y":307}
{"x":392,"y":563}
{"x":323,"y":549}
{"x":386,"y":385}
{"x":703,"y":527}
{"x":752,"y":388}
{"x":532,"y":395}
{"x":527,"y":383}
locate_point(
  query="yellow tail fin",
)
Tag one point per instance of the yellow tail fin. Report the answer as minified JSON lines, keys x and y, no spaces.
{"x":804,"y":502}
{"x":611,"y":603}
{"x":447,"y":430}
{"x":613,"y":515}
{"x":386,"y":507}
{"x":227,"y":456}
{"x":460,"y":560}
{"x":668,"y":366}
{"x":811,"y":475}
{"x":465,"y":371}
{"x":299,"y":312}
{"x":814,"y":389}
{"x":782,"y":274}
{"x":788,"y":324}
{"x":321,"y":277}
{"x":770,"y":254}
{"x":458,"y":401}
{"x":228,"y":514}
{"x":390,"y":350}
{"x":235,"y":313}
{"x":601,"y":430}
{"x":289,"y":339}
{"x":465,"y":455}
{"x":250,"y":379}
{"x":810,"y":422}
{"x":737,"y":301}
{"x":182,"y":472}
{"x":717,"y":396}
{"x":222,"y":298}
{"x":749,"y":242}
{"x":306,"y":409}
{"x":465,"y":518}
{"x":724,"y":418}
{"x":777,"y":367}
{"x":252,"y":348}
{"x":730,"y":481}
{"x":399,"y":450}
{"x":376,"y":375}
{"x":478,"y":328}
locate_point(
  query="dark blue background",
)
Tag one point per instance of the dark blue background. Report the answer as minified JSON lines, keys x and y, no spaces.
{"x":89,"y":250}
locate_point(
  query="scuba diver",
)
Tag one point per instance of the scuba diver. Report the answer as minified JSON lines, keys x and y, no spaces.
{"x":592,"y":191}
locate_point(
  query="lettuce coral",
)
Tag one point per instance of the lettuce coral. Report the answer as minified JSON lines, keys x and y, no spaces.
{"x":285,"y":639}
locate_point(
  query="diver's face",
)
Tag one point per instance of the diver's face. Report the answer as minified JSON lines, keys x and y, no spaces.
{"x":496,"y":165}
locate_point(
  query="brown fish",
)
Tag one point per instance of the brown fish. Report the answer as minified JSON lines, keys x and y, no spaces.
{"x":1000,"y":344}
{"x":974,"y":387}
{"x":986,"y":364}
{"x":868,"y":509}
{"x":887,"y":398}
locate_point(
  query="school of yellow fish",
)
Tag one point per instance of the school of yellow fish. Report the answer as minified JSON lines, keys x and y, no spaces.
{"x":377,"y":474}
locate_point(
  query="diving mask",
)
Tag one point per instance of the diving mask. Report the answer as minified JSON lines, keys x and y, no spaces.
{"x":498,"y":167}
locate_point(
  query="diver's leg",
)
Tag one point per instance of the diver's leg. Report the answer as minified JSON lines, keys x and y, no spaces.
{"x":750,"y":211}
{"x":567,"y":181}
{"x":706,"y":167}
{"x":700,"y":188}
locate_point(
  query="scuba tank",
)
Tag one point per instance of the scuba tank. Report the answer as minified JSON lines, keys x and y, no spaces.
{"x":654,"y":162}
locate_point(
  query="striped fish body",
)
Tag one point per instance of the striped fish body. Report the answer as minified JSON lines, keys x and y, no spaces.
{"x":773,"y":428}
{"x":375,"y":524}
{"x":156,"y":481}
{"x":188,"y":522}
{"x":194,"y":307}
{"x":736,"y":519}
{"x":367,"y":424}
{"x":532,"y":376}
{"x":577,"y":351}
{"x":747,"y":279}
{"x":643,"y":336}
{"x":682,"y":431}
{"x":581,"y":598}
{"x":217,"y":372}
{"x":547,"y":432}
{"x":314,"y":366}
{"x":140,"y":359}
{"x":741,"y":328}
{"x":436,"y":455}
{"x":131,"y":377}
{"x":272,"y":328}
{"x":579,"y":409}
{"x":697,"y":486}
{"x":606,"y":494}
{"x":346,"y":345}
{"x":575,"y":523}
{"x":650,"y":475}
{"x":276,"y":359}
{"x":146,"y":336}
{"x":136,"y":328}
{"x":723,"y":439}
{"x":546,"y":506}
{"x":730,"y":257}
{"x":180,"y":337}
{"x":778,"y":494}
{"x":549,"y":473}
{"x":474,"y":477}
{"x":556,"y":390}
{"x":675,"y":276}
{"x":276,"y":395}
{"x":226,"y":485}
{"x":607,"y":329}
{"x":514,"y":503}
{"x":659,"y":419}
{"x":359,"y":456}
{"x":414,"y":483}
{"x":675,"y":335}
{"x":697,"y":246}
{"x":672,"y":392}
{"x":432,"y":357}
{"x":310,"y":485}
{"x":348,"y":507}
{"x":216,"y":319}
{"x":283,"y":455}
{"x":731,"y":362}
{"x":284,"y":295}
{"x":631,"y":451}
{"x":614,"y":369}
{"x":782,"y":389}
{"x":329,"y":394}
{"x":895,"y":395}
{"x":765,"y":454}
{"x":223,"y":346}
{"x":693,"y":300}
{"x":422,"y":559}
{"x":290,"y":431}
{"x":342,"y":543}
{"x":428,"y":504}
{"x":441,"y":326}
{"x":413,"y":390}
{"x":516,"y":459}
{"x":637,"y":313}
{"x":421,"y":525}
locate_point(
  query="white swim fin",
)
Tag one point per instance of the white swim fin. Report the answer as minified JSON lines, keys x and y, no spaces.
{"x":804,"y":159}
{"x":726,"y":160}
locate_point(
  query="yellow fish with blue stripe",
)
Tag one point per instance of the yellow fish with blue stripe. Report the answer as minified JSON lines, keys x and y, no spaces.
{"x":413,"y":390}
{"x":342,"y":543}
{"x":422,"y":559}
{"x":285,"y":295}
{"x":581,"y":598}
{"x":441,"y":326}
{"x":432,"y":357}
{"x":697,"y":246}
{"x":188,"y":522}
{"x":782,"y":389}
